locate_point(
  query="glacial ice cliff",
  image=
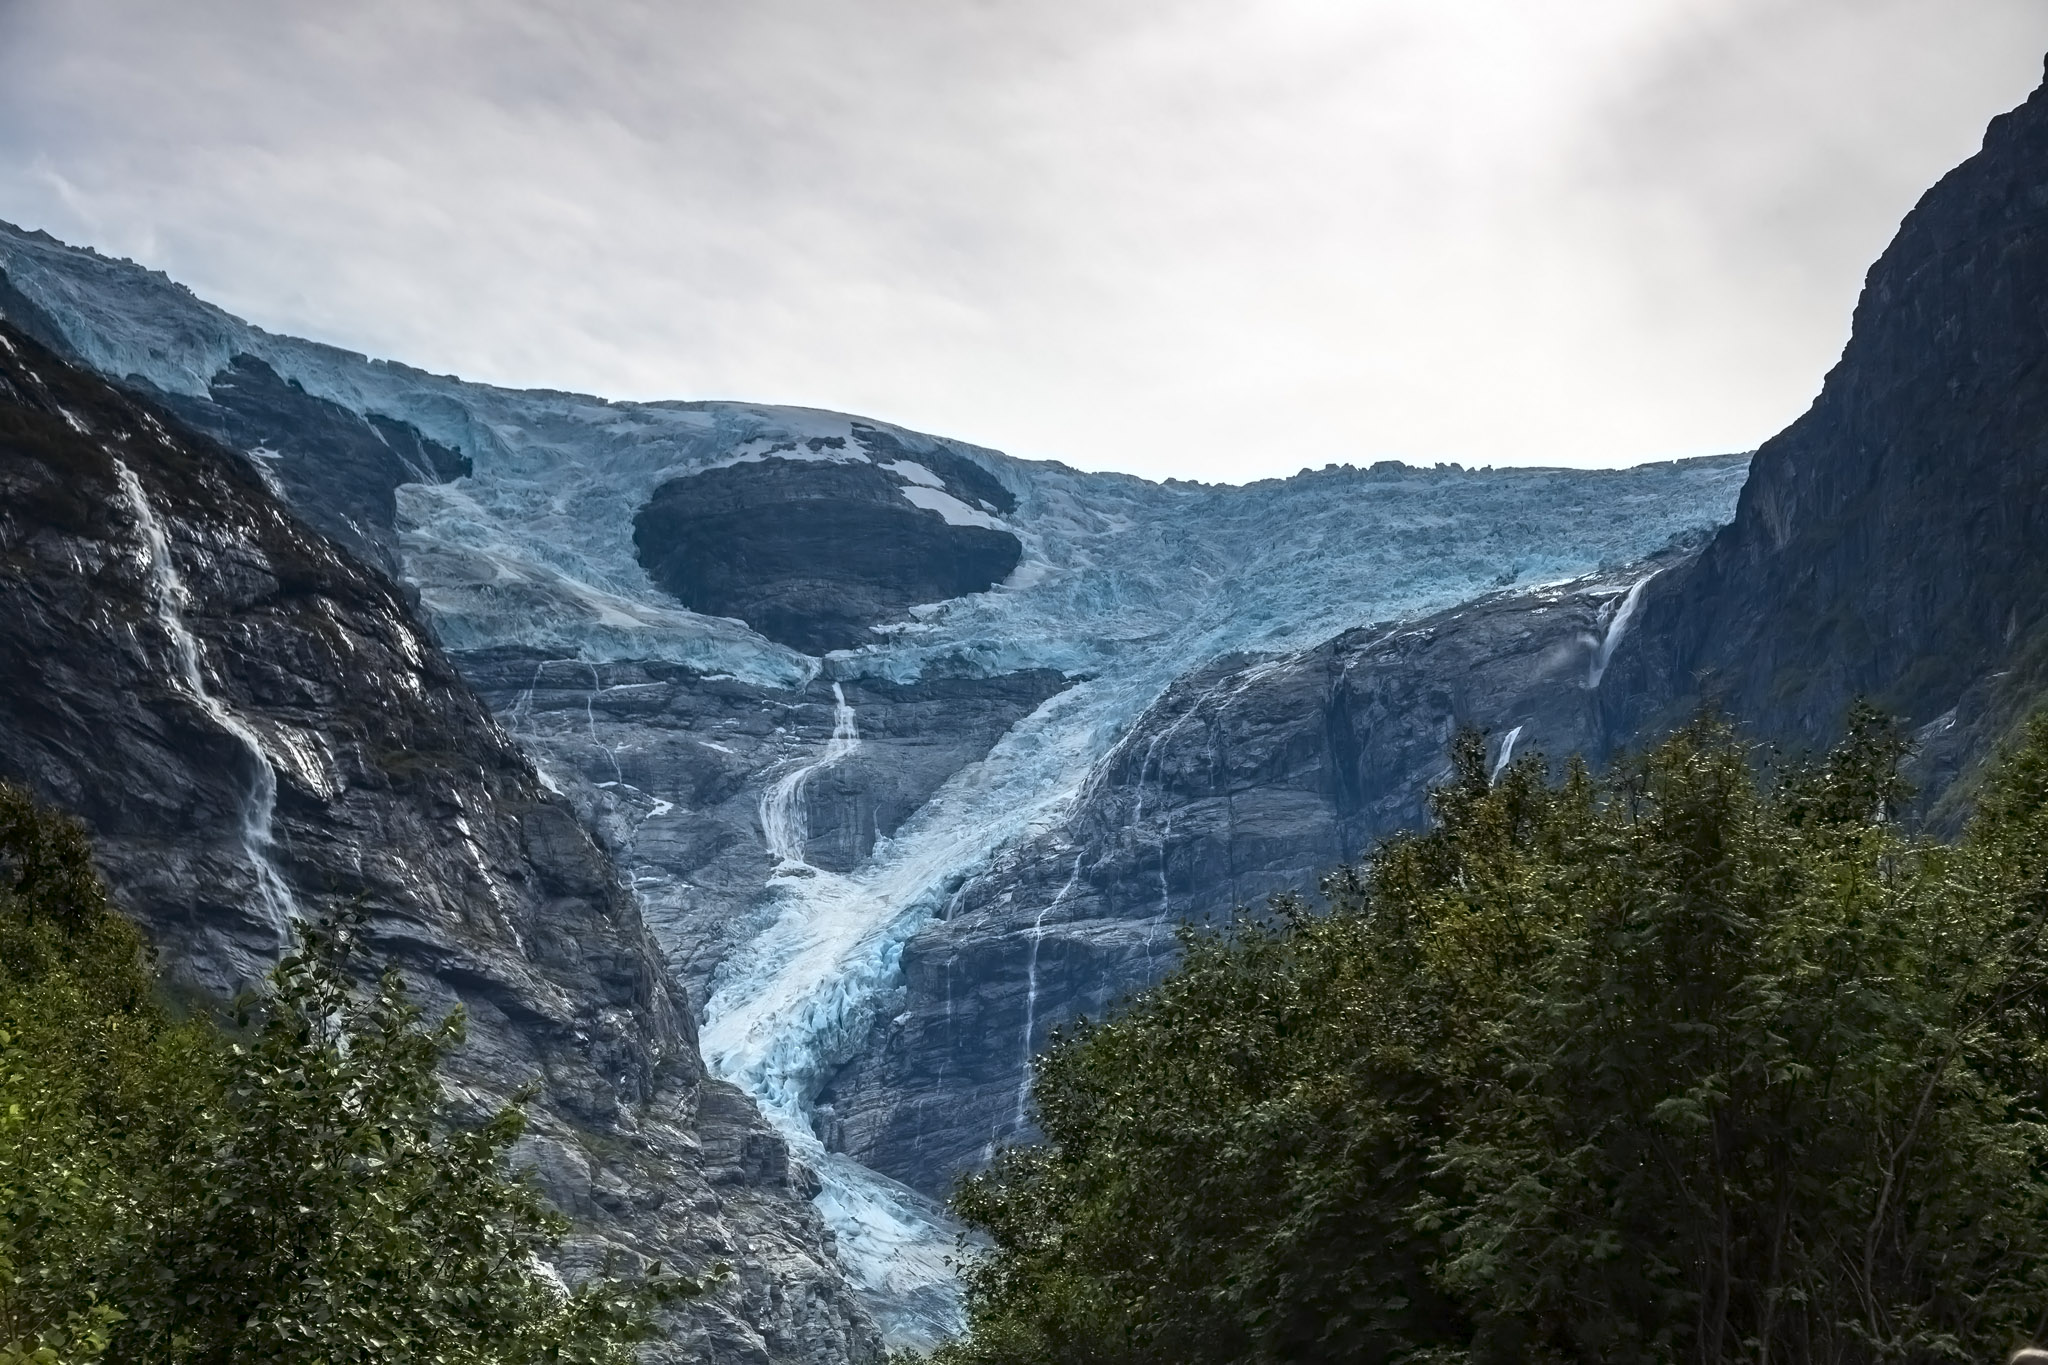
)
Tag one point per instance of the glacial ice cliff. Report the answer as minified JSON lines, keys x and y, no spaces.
{"x":793,"y":821}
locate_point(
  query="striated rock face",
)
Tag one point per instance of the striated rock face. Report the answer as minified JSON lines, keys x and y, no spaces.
{"x":674,"y":769}
{"x":1890,"y":542}
{"x":815,"y":553}
{"x":340,"y":470}
{"x":809,"y":836}
{"x":1248,"y":778}
{"x":254,"y":727}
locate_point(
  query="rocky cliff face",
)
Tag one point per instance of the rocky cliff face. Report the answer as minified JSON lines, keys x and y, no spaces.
{"x":255,"y":728}
{"x":1249,"y":778}
{"x":1890,"y":542}
{"x":817,"y":552}
{"x":682,"y":774}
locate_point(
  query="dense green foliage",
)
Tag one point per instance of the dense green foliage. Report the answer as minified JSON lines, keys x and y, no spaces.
{"x":282,"y":1190}
{"x":1667,"y":1065}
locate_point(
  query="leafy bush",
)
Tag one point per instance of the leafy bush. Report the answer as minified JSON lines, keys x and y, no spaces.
{"x":284,"y":1191}
{"x":1665,"y":1065}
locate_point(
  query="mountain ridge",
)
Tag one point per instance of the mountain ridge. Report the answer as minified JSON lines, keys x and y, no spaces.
{"x":255,"y":728}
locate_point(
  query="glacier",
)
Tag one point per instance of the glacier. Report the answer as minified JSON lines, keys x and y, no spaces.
{"x":1124,"y":586}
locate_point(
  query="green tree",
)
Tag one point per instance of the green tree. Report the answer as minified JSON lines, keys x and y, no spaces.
{"x":288,"y":1191}
{"x":1665,"y":1065}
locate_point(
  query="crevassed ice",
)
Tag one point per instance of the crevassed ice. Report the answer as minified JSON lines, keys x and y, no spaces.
{"x":1125,"y":582}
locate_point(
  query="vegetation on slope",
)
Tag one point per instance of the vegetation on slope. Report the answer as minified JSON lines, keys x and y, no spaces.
{"x":1664,"y":1065}
{"x":283,"y":1189}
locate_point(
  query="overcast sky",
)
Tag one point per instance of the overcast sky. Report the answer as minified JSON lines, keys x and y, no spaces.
{"x":1177,"y":237}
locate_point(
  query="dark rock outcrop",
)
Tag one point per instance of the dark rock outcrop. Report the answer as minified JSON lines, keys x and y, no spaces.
{"x":1889,"y":543}
{"x":340,"y":471}
{"x":670,"y":767}
{"x":816,"y":553}
{"x":252,"y":724}
{"x":1249,"y":778}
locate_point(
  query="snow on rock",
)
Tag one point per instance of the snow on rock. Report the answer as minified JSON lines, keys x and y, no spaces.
{"x":956,"y":512}
{"x":1124,"y":584}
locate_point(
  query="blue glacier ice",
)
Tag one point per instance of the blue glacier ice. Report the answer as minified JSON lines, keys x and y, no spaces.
{"x":1124,"y":583}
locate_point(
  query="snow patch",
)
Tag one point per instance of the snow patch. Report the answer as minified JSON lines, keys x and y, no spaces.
{"x":915,"y":472}
{"x":956,"y":512}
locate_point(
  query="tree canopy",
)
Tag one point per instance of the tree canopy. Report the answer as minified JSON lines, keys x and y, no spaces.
{"x":1669,"y":1064}
{"x":282,"y":1186}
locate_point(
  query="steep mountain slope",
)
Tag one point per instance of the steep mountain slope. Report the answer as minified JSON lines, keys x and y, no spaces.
{"x":911,"y":750}
{"x":256,"y":729}
{"x":1890,"y":542}
{"x":797,"y":825}
{"x":1248,"y":778}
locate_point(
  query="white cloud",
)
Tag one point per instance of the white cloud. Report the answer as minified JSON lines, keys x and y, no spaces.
{"x":1176,"y":237}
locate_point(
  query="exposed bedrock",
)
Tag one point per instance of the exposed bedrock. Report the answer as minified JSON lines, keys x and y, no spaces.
{"x":815,"y":553}
{"x":254,"y":726}
{"x":1250,"y":777}
{"x":340,"y":470}
{"x":671,"y":767}
{"x":1889,"y":543}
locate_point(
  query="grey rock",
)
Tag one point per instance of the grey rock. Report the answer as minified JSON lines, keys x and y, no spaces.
{"x":1251,"y":778}
{"x":815,"y":553}
{"x":669,"y":766}
{"x":395,"y":788}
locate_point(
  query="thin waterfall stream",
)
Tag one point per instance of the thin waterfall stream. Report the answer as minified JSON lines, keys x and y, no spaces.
{"x":171,"y":598}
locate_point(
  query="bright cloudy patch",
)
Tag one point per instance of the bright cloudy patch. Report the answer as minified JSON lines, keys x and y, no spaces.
{"x":1177,"y":237}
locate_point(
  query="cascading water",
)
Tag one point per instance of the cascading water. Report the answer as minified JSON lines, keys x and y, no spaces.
{"x":1616,"y":628}
{"x":1031,"y":988}
{"x":171,"y":598}
{"x":1507,"y":754}
{"x":590,"y":722}
{"x":785,"y":818}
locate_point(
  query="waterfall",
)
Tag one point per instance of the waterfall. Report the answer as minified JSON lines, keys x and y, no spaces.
{"x":1507,"y":754}
{"x":590,"y":721}
{"x":1031,"y":989}
{"x":785,"y":819}
{"x":1617,"y":628}
{"x":171,"y":598}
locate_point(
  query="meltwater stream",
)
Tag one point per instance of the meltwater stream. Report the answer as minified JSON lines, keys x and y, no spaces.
{"x":895,"y":1242}
{"x":785,"y":816}
{"x":1124,"y":586}
{"x":171,"y":598}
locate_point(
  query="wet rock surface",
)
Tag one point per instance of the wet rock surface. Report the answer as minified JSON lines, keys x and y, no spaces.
{"x":1253,"y":777}
{"x":169,"y":636}
{"x":816,"y":553}
{"x":670,"y":766}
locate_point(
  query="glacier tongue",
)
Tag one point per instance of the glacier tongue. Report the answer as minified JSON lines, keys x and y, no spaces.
{"x":1124,"y":585}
